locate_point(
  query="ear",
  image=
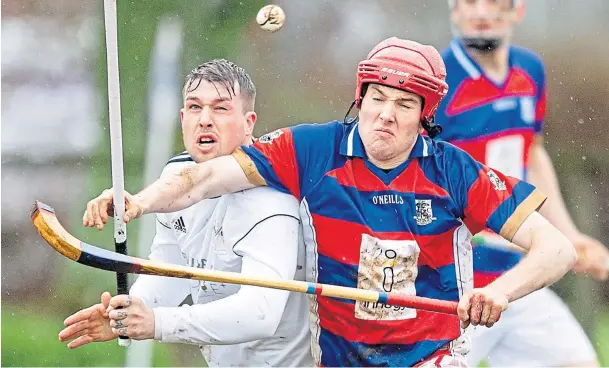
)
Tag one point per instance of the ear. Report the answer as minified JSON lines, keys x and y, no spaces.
{"x":250,"y":122}
{"x":182,"y":117}
{"x":421,"y":129}
{"x":520,"y":11}
{"x":454,"y":14}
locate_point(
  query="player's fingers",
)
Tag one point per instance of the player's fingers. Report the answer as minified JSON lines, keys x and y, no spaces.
{"x":117,"y":323}
{"x":495,"y":314}
{"x":487,"y":308}
{"x":463,"y":310}
{"x":123,"y":331}
{"x":81,"y":315}
{"x":105,"y":299}
{"x":73,"y":331}
{"x":118,"y":314}
{"x":120,"y":301}
{"x":85,"y":219}
{"x":103,"y":210}
{"x":83,"y":340}
{"x":96,"y":215}
{"x":475,"y":311}
{"x":90,"y":214}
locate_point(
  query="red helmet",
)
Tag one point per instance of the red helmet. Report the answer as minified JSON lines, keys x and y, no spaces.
{"x":406,"y":65}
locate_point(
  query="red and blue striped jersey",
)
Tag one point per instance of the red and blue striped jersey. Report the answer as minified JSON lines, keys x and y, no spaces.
{"x":496,"y":123}
{"x":404,"y":231}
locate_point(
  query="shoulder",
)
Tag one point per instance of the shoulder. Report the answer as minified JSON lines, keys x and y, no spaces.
{"x":447,"y":54}
{"x":306,"y":142}
{"x":528,"y":60}
{"x":250,"y":208}
{"x":262,"y":202}
{"x":177,"y":162}
{"x":451,"y":155}
{"x":304,"y":132}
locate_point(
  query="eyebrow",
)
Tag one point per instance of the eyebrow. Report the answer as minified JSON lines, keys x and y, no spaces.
{"x":215,"y":100}
{"x":405,"y":99}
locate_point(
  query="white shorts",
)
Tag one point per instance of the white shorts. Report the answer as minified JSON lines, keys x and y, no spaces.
{"x":537,"y":330}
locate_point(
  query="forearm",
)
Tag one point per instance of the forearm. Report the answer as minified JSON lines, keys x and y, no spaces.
{"x":543,"y":176}
{"x":175,"y":191}
{"x":551,"y":255}
{"x":251,"y":314}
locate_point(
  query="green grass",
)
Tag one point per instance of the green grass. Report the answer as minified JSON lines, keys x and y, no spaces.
{"x":601,"y":339}
{"x":30,"y":339}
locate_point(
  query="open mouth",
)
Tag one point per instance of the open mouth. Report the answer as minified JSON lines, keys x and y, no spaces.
{"x":206,"y":141}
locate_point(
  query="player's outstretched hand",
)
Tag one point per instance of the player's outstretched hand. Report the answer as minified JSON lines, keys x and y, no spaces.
{"x":134,"y":320}
{"x":481,"y":307}
{"x":101,"y":208}
{"x":593,"y":256}
{"x":88,"y":325}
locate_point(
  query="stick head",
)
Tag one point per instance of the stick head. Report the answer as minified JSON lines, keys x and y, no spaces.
{"x":45,"y":221}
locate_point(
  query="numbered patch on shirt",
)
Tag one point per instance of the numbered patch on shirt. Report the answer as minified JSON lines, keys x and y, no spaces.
{"x":391,"y":266}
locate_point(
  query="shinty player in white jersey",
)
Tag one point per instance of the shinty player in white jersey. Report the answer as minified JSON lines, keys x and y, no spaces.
{"x":255,"y":232}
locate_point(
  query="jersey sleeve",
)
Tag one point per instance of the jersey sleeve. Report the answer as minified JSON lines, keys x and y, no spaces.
{"x":272,"y":161}
{"x":159,"y":290}
{"x":267,"y":241}
{"x":540,"y":106}
{"x":487,"y":198}
{"x":291,"y":159}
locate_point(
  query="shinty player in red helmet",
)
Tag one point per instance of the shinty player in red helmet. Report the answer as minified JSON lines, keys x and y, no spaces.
{"x":386,"y":208}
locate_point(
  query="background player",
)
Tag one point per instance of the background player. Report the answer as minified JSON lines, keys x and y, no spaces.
{"x":495,"y":110}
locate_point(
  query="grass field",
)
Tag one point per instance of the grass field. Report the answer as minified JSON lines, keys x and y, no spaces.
{"x":29,"y":338}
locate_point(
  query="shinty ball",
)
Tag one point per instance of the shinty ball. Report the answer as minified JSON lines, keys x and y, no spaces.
{"x":271,"y":18}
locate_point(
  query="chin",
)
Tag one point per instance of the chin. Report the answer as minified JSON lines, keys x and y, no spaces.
{"x":380,"y":150}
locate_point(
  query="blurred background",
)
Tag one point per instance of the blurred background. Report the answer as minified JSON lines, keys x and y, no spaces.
{"x":55,"y":131}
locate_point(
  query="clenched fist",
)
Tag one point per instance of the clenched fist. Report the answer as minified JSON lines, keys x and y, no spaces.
{"x":481,"y":307}
{"x":101,"y":208}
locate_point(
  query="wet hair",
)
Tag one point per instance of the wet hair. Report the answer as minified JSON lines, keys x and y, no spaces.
{"x":225,"y":73}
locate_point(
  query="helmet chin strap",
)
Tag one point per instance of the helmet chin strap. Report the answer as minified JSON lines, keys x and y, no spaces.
{"x":482,"y":44}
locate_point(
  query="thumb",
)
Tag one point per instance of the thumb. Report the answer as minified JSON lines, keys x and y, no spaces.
{"x":132,"y":213}
{"x":105,"y":301}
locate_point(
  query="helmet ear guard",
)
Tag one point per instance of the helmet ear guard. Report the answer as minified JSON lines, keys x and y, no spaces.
{"x":432,"y":129}
{"x":411,"y":67}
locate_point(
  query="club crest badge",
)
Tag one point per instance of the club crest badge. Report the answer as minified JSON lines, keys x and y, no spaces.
{"x":269,"y":137}
{"x":424,"y":212}
{"x":497,"y":183}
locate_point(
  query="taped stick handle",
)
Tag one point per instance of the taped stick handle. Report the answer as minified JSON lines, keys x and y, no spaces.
{"x":116,"y":144}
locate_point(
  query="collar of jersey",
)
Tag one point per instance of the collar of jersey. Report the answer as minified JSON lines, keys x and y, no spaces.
{"x":471,"y":67}
{"x":352,"y":145}
{"x":468,"y":64}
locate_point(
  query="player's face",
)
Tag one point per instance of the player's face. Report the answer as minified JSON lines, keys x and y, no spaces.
{"x":485,"y":18}
{"x":214,"y":122}
{"x":389,"y":123}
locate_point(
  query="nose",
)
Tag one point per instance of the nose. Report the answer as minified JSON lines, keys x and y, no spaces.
{"x":481,"y":9}
{"x":387,"y":115}
{"x":205,"y":119}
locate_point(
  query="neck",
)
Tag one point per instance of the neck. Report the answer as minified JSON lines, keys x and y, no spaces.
{"x":494,"y":63}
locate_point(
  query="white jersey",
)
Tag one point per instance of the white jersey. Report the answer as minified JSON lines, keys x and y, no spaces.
{"x":255,"y":232}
